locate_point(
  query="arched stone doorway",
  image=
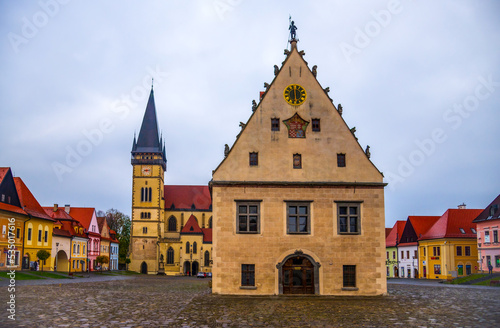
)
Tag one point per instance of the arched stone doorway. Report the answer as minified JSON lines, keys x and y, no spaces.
{"x":144,"y":268}
{"x":62,"y":262}
{"x":195,"y":267}
{"x":298,"y":274}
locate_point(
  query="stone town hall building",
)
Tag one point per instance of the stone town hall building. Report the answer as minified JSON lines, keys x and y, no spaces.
{"x":296,"y":205}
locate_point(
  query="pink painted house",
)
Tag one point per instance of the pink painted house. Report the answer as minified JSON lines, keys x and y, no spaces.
{"x":488,"y":227}
{"x":87,"y":217}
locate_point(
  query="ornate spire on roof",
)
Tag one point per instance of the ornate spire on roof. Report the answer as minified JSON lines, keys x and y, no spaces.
{"x":149,"y":140}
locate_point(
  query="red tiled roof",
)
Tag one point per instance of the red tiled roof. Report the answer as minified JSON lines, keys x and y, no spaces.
{"x":12,"y":208}
{"x":191,"y":226}
{"x":29,"y":202}
{"x":387,"y":232}
{"x":207,"y":235}
{"x":61,"y":233}
{"x":83,"y":215}
{"x":59,"y":214}
{"x":3,"y":172}
{"x":487,"y":214}
{"x":100,"y":222}
{"x":422,"y":224}
{"x":448,"y":225}
{"x":184,"y":197}
{"x":395,"y":234}
{"x":69,"y":226}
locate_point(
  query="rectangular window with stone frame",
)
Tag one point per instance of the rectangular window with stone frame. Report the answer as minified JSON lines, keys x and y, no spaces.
{"x":298,"y":217}
{"x":254,"y":159}
{"x":348,"y":218}
{"x":340,"y":160}
{"x":349,"y":275}
{"x":248,"y":275}
{"x":248,"y":216}
{"x":275,"y":124}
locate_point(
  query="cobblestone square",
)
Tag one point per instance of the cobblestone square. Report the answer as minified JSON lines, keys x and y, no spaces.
{"x":153,"y":301}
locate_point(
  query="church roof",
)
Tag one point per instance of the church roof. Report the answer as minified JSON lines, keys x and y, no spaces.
{"x":188,"y":198}
{"x":192,"y":227}
{"x":148,"y":140}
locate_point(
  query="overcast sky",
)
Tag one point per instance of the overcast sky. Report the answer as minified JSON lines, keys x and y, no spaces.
{"x":420,"y":81}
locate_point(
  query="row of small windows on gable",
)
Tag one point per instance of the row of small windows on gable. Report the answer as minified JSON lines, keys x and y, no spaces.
{"x":316,"y":125}
{"x":296,"y":160}
{"x":299,"y":217}
{"x":4,"y":198}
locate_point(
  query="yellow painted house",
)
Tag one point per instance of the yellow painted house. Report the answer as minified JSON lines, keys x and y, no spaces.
{"x":449,"y":248}
{"x":37,"y":229}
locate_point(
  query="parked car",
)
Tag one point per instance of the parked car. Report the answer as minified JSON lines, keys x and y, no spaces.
{"x":201,"y":275}
{"x":209,"y":275}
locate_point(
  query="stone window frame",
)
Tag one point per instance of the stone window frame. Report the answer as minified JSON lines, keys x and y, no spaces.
{"x":297,"y":216}
{"x":172,"y":224}
{"x":349,"y":277}
{"x":253,"y":158}
{"x":170,"y":256}
{"x":275,"y":124}
{"x":459,"y":251}
{"x":247,"y":276}
{"x":341,"y":160}
{"x":297,"y":161}
{"x":316,"y":125}
{"x":467,"y":251}
{"x":354,"y":204}
{"x":247,"y":203}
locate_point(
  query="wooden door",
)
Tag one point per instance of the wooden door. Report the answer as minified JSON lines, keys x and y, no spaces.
{"x":298,"y":276}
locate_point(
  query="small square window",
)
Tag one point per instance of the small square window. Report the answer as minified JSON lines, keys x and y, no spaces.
{"x":275,"y":124}
{"x":297,"y":161}
{"x":316,"y":127}
{"x":248,"y":275}
{"x":341,"y":160}
{"x":144,"y":230}
{"x":254,"y":159}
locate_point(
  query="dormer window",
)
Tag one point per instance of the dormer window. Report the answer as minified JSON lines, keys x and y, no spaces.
{"x":462,"y":231}
{"x":473,"y":230}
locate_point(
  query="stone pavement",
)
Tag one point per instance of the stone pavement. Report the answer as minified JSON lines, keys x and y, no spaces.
{"x":153,"y":301}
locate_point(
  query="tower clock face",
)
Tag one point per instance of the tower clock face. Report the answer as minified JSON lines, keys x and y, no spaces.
{"x":295,"y":94}
{"x":146,"y":170}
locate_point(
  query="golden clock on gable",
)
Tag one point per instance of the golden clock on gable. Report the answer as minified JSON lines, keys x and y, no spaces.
{"x":295,"y":94}
{"x":146,"y":170}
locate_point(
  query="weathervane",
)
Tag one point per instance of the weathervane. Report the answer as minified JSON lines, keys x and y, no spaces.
{"x":292,"y":29}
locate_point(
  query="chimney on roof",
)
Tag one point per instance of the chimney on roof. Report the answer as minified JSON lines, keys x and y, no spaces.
{"x":462,"y":207}
{"x":55,"y":207}
{"x":67,"y":208}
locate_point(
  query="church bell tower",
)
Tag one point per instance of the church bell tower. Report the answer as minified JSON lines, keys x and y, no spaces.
{"x":149,"y":165}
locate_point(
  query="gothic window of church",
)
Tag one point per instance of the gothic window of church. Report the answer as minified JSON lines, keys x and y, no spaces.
{"x":187,"y":247}
{"x":297,"y":161}
{"x":210,"y":223}
{"x":195,"y":248}
{"x":341,"y":160}
{"x":207,"y":258}
{"x":316,"y":126}
{"x":172,"y":224}
{"x":248,"y":217}
{"x":170,"y":256}
{"x":275,"y":124}
{"x":144,"y":230}
{"x":254,"y":159}
{"x":299,"y":217}
{"x":349,"y":218}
